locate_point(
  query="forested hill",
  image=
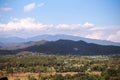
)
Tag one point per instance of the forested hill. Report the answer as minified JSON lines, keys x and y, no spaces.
{"x":64,"y":47}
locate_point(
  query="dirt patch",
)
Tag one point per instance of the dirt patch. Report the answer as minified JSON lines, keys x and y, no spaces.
{"x":94,"y":73}
{"x":24,"y":76}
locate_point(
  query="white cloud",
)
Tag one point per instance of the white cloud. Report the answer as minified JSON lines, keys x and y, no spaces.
{"x":98,"y":28}
{"x":87,"y":24}
{"x":28,"y":27}
{"x":75,"y":26}
{"x":29,"y":7}
{"x":95,"y":35}
{"x":26,"y":24}
{"x":40,"y":5}
{"x":69,"y":26}
{"x":5,"y":9}
{"x":114,"y":37}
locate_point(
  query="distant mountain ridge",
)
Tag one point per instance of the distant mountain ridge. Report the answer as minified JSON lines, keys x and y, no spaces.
{"x":57,"y":37}
{"x":64,"y":47}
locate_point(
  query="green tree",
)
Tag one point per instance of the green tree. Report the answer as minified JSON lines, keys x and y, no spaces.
{"x":31,"y":78}
{"x":58,"y":77}
{"x":10,"y":70}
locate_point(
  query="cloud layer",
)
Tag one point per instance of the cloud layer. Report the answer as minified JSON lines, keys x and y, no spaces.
{"x":28,"y":27}
{"x":115,"y":37}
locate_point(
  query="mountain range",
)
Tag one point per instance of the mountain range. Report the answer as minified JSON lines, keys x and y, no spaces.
{"x":9,"y":40}
{"x":65,"y":47}
{"x":58,"y":44}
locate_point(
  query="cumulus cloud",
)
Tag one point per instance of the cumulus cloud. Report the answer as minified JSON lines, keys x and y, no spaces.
{"x":5,"y":9}
{"x":28,"y":27}
{"x":95,"y":35}
{"x":114,"y":37}
{"x":26,"y":24}
{"x":29,"y":7}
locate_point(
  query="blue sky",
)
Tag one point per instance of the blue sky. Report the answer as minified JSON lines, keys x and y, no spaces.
{"x":98,"y":19}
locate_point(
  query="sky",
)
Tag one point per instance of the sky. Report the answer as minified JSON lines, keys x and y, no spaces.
{"x":96,"y":19}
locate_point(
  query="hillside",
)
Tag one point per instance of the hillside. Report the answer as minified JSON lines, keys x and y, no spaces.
{"x":64,"y":47}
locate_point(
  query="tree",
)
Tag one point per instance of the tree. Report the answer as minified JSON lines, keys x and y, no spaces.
{"x":58,"y":77}
{"x":31,"y":78}
{"x":41,"y":77}
{"x":10,"y":70}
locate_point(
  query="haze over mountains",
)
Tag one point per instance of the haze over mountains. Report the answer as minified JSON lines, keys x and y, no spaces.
{"x":59,"y":44}
{"x":9,"y":40}
{"x":64,"y":47}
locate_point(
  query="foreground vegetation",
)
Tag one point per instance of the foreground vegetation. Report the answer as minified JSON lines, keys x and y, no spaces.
{"x":28,"y":66}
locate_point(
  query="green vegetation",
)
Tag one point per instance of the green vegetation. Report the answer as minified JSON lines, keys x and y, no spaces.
{"x":54,"y":67}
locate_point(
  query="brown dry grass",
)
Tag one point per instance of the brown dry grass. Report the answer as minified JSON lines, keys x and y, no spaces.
{"x":24,"y":76}
{"x":94,"y":73}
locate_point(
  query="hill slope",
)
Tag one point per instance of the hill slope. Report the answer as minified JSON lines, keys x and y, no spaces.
{"x":65,"y":47}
